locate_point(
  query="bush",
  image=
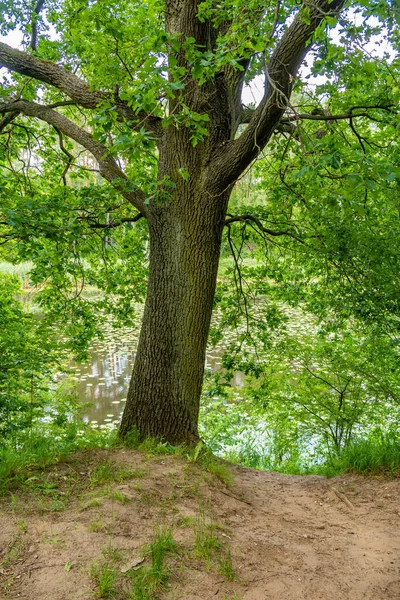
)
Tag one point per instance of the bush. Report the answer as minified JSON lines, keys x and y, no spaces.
{"x":28,"y":355}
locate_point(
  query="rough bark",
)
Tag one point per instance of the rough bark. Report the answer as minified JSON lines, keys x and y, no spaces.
{"x":164,"y":393}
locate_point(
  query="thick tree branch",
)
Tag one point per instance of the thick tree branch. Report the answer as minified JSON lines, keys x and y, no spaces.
{"x":288,"y":123}
{"x":349,"y":114}
{"x":282,"y":127}
{"x":108,"y":166}
{"x":233,"y":157}
{"x":72,"y":85}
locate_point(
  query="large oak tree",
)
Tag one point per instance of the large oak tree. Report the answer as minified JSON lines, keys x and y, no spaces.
{"x":154,"y":92}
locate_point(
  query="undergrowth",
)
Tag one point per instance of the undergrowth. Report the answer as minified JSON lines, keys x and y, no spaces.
{"x":374,"y":455}
{"x":198,"y":454}
{"x":43,"y":445}
{"x":22,"y":454}
{"x":141,"y":582}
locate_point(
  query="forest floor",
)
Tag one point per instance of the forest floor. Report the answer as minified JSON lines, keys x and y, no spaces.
{"x":78,"y":530}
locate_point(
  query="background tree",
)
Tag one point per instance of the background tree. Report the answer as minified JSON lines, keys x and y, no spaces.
{"x":153,"y":91}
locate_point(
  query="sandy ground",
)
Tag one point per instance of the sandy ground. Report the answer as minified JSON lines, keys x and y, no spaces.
{"x":290,"y":537}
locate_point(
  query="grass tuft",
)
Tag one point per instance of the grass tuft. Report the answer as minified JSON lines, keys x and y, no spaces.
{"x":113,"y":554}
{"x":206,"y":542}
{"x":225,"y":566}
{"x":147,"y":580}
{"x":371,"y":456}
{"x":105,"y":577}
{"x":41,"y":446}
{"x":97,"y":526}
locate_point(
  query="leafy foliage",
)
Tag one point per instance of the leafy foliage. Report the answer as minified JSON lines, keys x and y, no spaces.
{"x":27,"y":361}
{"x":313,"y":225}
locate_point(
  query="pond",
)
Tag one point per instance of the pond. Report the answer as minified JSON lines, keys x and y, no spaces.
{"x":103,"y":380}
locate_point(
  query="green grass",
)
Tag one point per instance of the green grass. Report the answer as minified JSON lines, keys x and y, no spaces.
{"x":206,"y":542}
{"x":107,"y":472}
{"x":113,"y":554}
{"x":95,"y":503}
{"x":199,"y":454}
{"x":105,"y":579}
{"x":43,"y":445}
{"x":14,"y":552}
{"x":147,"y":581}
{"x":377,"y":454}
{"x":186,"y":521}
{"x":119,"y":496}
{"x":150,"y":446}
{"x":211,"y":463}
{"x":371,"y":456}
{"x":97,"y":526}
{"x":162,"y":544}
{"x":220,"y":471}
{"x":225,"y":566}
{"x":209,"y":547}
{"x":140,"y":583}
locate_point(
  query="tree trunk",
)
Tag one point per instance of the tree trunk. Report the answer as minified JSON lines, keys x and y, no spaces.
{"x":164,"y":393}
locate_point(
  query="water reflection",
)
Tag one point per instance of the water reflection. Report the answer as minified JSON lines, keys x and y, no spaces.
{"x":103,"y":380}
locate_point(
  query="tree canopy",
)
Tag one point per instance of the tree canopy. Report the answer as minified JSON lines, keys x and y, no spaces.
{"x":127,"y":121}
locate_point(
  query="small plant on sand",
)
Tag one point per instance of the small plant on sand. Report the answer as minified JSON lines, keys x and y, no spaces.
{"x":206,"y":541}
{"x":147,"y":580}
{"x":186,"y":521}
{"x":14,"y":552}
{"x":211,"y":463}
{"x":150,"y":446}
{"x":225,"y":566}
{"x":101,"y":474}
{"x":107,"y":472}
{"x":105,"y":578}
{"x":113,"y":554}
{"x":97,"y":526}
{"x":119,"y":496}
{"x":94,"y":503}
{"x":22,"y":525}
{"x":208,"y":546}
{"x":139,"y":583}
{"x":219,"y":470}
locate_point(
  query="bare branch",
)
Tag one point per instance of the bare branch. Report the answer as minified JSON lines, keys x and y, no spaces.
{"x":70,"y":157}
{"x":349,"y":114}
{"x":114,"y":224}
{"x":258,"y":222}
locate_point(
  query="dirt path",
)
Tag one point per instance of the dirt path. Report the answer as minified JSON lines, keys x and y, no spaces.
{"x":290,"y":537}
{"x":313,"y":544}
